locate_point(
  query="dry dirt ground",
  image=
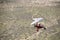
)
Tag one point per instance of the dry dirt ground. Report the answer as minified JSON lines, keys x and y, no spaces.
{"x":16,"y":16}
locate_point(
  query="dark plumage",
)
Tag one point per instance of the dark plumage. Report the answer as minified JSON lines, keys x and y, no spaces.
{"x":39,"y":26}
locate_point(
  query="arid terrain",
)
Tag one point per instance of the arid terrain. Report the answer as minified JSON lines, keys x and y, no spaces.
{"x":16,"y":16}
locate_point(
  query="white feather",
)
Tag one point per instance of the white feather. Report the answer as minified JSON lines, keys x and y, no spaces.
{"x":36,"y":20}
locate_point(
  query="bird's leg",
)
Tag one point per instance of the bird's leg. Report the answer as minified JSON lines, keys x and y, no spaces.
{"x":37,"y":29}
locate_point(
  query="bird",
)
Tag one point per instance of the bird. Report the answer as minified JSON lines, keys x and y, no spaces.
{"x":37,"y":24}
